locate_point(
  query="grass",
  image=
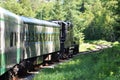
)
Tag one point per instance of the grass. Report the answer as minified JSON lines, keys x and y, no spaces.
{"x":103,"y":65}
{"x":91,"y":45}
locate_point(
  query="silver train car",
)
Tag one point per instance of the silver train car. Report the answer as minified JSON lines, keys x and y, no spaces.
{"x":25,"y":42}
{"x":40,"y":37}
{"x":10,"y":44}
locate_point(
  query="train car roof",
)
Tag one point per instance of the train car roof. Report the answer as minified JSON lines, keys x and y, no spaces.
{"x":63,"y":22}
{"x":6,"y":12}
{"x":58,"y":22}
{"x":39,"y":22}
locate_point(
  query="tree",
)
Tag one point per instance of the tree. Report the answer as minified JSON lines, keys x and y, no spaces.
{"x":12,"y":5}
{"x":117,"y":19}
{"x":45,"y":11}
{"x":57,"y":11}
{"x":101,"y":26}
{"x":21,"y":7}
{"x":27,"y":9}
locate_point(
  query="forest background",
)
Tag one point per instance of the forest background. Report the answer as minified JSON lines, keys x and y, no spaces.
{"x":92,"y":19}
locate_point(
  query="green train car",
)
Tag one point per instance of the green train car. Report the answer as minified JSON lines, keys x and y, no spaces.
{"x":40,"y":37}
{"x":10,"y":44}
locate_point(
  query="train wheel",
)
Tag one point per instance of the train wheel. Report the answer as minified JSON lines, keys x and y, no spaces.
{"x":55,"y":57}
{"x":7,"y":76}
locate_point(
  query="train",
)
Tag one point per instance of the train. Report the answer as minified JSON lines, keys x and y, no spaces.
{"x":25,"y":42}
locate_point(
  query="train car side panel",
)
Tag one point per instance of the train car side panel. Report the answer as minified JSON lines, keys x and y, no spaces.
{"x":10,"y":35}
{"x":69,"y":35}
{"x":2,"y":44}
{"x":41,"y":37}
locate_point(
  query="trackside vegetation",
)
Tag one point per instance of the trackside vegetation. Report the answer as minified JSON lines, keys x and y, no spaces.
{"x":92,"y":19}
{"x":101,"y":65}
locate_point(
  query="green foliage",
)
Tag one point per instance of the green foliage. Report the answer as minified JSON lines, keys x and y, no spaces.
{"x":26,"y":6}
{"x":117,"y":19}
{"x":13,"y":6}
{"x":92,"y":19}
{"x":101,"y":25}
{"x":45,"y":12}
{"x":23,"y":7}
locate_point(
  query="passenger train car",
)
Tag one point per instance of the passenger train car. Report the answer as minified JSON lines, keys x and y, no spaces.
{"x":27,"y":41}
{"x":10,"y":44}
{"x":40,"y":37}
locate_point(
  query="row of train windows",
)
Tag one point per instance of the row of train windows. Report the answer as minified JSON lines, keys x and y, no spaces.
{"x":10,"y":39}
{"x":14,"y":38}
{"x":32,"y":37}
{"x":35,"y":37}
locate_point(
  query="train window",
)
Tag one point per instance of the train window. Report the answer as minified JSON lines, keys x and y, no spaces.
{"x":31,"y":36}
{"x":43,"y":37}
{"x":52,"y":36}
{"x":13,"y":39}
{"x":27,"y":37}
{"x":55,"y":36}
{"x":36,"y":37}
{"x":21,"y":36}
{"x":48,"y":37}
{"x":40,"y":37}
{"x":33,"y":39}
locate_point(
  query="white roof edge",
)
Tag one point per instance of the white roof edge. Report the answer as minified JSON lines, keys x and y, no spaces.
{"x":37,"y":21}
{"x":4,"y":11}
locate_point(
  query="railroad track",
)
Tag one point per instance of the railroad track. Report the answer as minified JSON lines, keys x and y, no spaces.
{"x":32,"y":74}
